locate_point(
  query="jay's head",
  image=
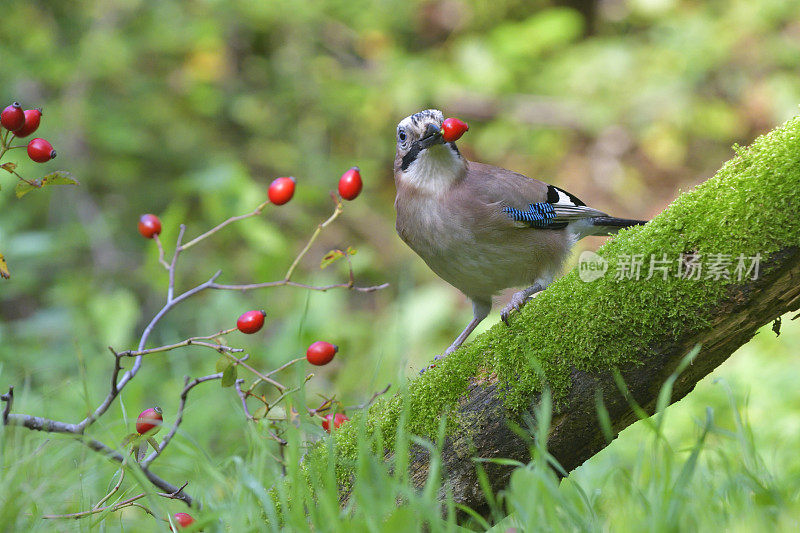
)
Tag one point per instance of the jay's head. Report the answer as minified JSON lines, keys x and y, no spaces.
{"x":423,"y":158}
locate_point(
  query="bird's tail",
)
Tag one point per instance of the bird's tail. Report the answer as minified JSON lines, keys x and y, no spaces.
{"x":606,"y":225}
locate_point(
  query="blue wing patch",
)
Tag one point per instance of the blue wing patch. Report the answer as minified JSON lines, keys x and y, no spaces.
{"x":538,"y":215}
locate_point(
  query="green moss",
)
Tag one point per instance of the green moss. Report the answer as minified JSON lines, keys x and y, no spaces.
{"x":751,"y":206}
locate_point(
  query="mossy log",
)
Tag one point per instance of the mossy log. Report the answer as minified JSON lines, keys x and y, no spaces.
{"x":576,"y":335}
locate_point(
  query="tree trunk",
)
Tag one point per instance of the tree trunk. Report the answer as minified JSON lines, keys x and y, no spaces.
{"x":575,"y":432}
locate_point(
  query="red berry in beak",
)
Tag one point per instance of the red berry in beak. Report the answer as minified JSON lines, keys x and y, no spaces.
{"x":40,"y":150}
{"x":13,"y":117}
{"x":338,"y":419}
{"x":149,"y":421}
{"x":251,"y":321}
{"x":321,"y":353}
{"x":453,"y":129}
{"x":350,"y":184}
{"x":149,"y":225}
{"x":281,"y":190}
{"x":32,"y":118}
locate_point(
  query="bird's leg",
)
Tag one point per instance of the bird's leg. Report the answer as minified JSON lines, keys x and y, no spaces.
{"x":479,"y":311}
{"x":519,"y":300}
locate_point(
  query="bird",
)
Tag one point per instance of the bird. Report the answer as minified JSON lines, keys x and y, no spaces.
{"x":483,"y":228}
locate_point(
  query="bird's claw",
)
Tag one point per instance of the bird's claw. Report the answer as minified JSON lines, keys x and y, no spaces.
{"x":513,"y":305}
{"x":517,"y":302}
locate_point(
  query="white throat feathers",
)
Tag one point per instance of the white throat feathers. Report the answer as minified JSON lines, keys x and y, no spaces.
{"x":435,"y":169}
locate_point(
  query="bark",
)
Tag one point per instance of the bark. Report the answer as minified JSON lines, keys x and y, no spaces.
{"x":576,"y":434}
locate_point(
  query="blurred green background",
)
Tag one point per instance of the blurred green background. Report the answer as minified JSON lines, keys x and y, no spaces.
{"x":189,"y":109}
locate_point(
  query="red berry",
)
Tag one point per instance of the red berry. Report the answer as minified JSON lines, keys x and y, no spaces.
{"x":321,"y":353}
{"x":338,"y":420}
{"x":183,"y":519}
{"x":40,"y":150}
{"x":149,"y":225}
{"x":453,"y":129}
{"x":32,"y":117}
{"x":350,"y":184}
{"x":149,"y":419}
{"x":12,"y":118}
{"x":281,"y":190}
{"x":251,"y":321}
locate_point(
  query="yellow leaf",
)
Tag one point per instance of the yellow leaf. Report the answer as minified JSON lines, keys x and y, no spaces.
{"x":4,"y":272}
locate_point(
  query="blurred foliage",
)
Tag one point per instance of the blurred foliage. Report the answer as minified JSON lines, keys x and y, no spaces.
{"x":189,"y":109}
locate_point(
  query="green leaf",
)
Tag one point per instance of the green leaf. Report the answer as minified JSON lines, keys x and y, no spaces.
{"x":229,"y":376}
{"x":261,"y":412}
{"x":351,"y":251}
{"x":223,"y":363}
{"x":330,"y":258}
{"x":130,"y":437}
{"x":59,"y":177}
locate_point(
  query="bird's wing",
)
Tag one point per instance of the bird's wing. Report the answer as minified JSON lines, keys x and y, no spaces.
{"x":525,"y":202}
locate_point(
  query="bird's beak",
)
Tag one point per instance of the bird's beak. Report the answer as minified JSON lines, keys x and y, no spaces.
{"x":433,"y":135}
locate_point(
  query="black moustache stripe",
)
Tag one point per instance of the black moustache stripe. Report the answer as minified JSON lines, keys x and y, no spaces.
{"x":410,"y":156}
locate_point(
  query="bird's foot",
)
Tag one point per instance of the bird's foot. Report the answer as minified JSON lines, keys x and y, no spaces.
{"x":517,"y":302}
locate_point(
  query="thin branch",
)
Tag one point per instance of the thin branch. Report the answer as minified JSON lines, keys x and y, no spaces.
{"x":113,"y":491}
{"x":215,"y":229}
{"x":115,"y":373}
{"x":286,"y":283}
{"x":161,"y":252}
{"x":243,"y":397}
{"x":171,"y":288}
{"x":116,"y":506}
{"x":285,"y":366}
{"x":178,"y":416}
{"x":192,"y":341}
{"x":8,"y":398}
{"x":336,"y":212}
{"x":241,"y":362}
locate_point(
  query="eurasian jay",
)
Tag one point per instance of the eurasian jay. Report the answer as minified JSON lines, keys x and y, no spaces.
{"x":482,"y":228}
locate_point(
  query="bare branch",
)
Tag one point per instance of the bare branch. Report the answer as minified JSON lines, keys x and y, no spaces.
{"x":171,"y":288}
{"x":286,"y":283}
{"x":192,"y":341}
{"x":243,"y":397}
{"x":113,"y":490}
{"x":8,"y":398}
{"x":336,"y":212}
{"x":261,"y":376}
{"x":160,"y":252}
{"x":116,"y":506}
{"x":179,"y":415}
{"x":215,"y":229}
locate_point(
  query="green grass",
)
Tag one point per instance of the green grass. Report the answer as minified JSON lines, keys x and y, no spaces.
{"x":723,"y":458}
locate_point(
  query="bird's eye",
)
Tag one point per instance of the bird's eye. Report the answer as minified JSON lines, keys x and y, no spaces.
{"x":402,"y":136}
